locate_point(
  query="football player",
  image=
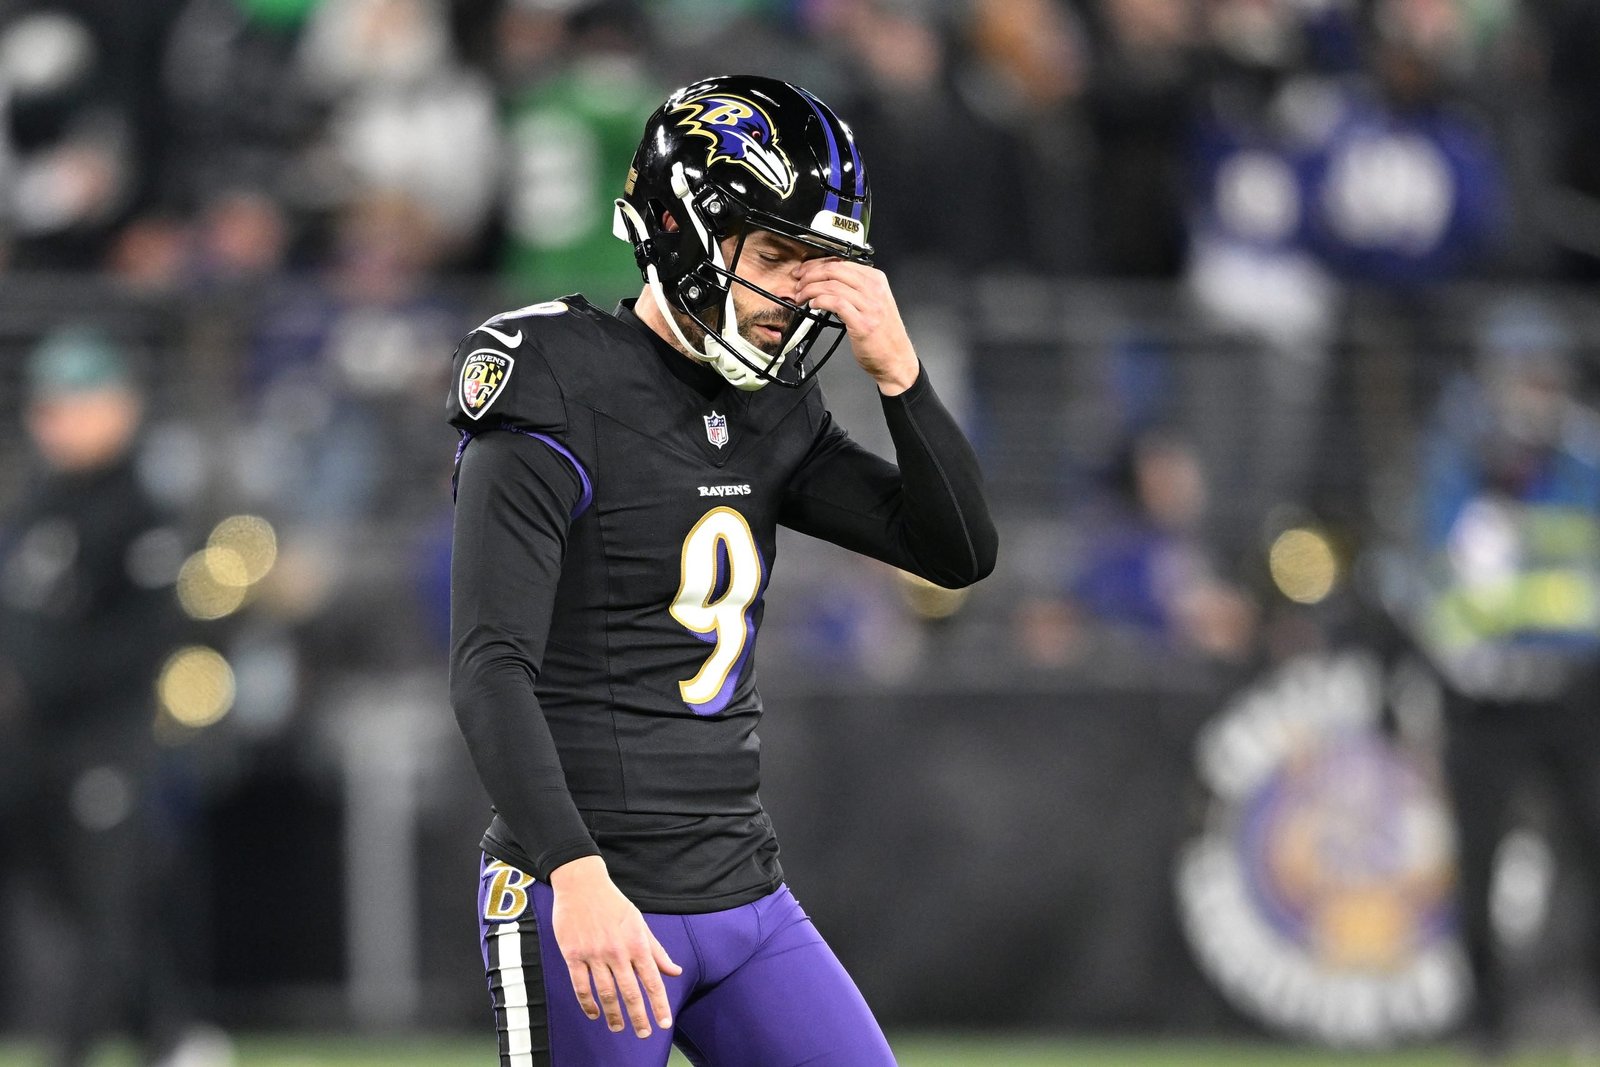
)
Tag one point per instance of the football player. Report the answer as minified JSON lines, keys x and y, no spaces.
{"x":620,"y":480}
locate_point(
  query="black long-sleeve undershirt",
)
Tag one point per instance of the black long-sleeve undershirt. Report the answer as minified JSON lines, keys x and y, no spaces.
{"x":514,"y":500}
{"x":926,"y":516}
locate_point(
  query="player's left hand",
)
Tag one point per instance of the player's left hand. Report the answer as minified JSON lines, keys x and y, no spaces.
{"x":861,"y":297}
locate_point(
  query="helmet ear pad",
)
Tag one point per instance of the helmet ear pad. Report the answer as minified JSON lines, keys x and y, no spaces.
{"x":688,"y":272}
{"x":664,"y":246}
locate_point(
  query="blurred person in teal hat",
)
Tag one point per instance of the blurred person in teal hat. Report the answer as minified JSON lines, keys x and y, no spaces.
{"x":87,"y":619}
{"x":84,"y":407}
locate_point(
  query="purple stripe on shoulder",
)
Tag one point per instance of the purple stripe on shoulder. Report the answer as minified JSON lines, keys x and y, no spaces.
{"x":583,"y":476}
{"x":455,"y":467}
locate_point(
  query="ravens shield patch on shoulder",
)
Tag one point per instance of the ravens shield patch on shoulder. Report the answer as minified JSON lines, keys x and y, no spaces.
{"x":483,"y":379}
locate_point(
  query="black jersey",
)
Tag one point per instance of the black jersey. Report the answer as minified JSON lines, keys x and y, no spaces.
{"x":617,"y":509}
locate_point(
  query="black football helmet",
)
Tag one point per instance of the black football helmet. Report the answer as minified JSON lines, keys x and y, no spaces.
{"x":725,"y":156}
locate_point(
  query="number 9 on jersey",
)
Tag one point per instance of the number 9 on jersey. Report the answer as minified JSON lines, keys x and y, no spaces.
{"x":721,"y":577}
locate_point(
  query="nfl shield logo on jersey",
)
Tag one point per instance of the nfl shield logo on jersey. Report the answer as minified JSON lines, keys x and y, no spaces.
{"x":717,"y":429}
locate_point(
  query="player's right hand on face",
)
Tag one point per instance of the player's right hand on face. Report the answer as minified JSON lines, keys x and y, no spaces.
{"x":609,"y":950}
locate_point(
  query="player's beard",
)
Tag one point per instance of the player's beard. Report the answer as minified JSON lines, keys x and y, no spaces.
{"x":757,"y":311}
{"x":750,"y":329}
{"x":750,"y":322}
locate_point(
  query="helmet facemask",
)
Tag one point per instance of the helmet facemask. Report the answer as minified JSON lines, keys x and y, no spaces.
{"x":706,"y":289}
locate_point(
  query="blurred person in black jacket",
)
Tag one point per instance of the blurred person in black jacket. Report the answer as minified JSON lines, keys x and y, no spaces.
{"x":86,"y":621}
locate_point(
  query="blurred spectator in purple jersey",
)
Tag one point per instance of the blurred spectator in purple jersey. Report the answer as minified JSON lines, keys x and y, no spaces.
{"x":1146,"y":570}
{"x":1259,"y":131}
{"x":1409,"y":190}
{"x":1262,"y":125}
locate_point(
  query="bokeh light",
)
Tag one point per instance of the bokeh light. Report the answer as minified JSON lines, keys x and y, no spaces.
{"x":215,"y":581}
{"x":1304,"y":566}
{"x":252,"y":539}
{"x":211,"y":584}
{"x":225,"y":567}
{"x":196,"y":686}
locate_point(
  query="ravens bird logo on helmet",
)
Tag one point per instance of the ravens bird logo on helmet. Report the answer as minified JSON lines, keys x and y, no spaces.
{"x":739,"y":132}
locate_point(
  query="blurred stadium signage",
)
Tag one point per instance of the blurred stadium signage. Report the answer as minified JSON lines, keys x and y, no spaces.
{"x":1317,"y":895}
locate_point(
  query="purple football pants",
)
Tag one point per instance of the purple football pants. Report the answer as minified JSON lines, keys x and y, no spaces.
{"x":760,"y":988}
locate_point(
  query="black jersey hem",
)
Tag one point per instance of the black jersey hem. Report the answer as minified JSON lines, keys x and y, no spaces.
{"x":699,"y":905}
{"x":494,"y":848}
{"x":515,"y":857}
{"x":651,"y":866}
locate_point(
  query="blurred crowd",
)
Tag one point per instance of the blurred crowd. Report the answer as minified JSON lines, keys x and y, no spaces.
{"x":1263,"y":146}
{"x":1233,"y":295}
{"x":338,"y":163}
{"x":327,"y":193}
{"x":322,"y":195}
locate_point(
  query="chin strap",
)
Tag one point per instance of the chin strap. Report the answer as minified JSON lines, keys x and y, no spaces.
{"x":728,"y":364}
